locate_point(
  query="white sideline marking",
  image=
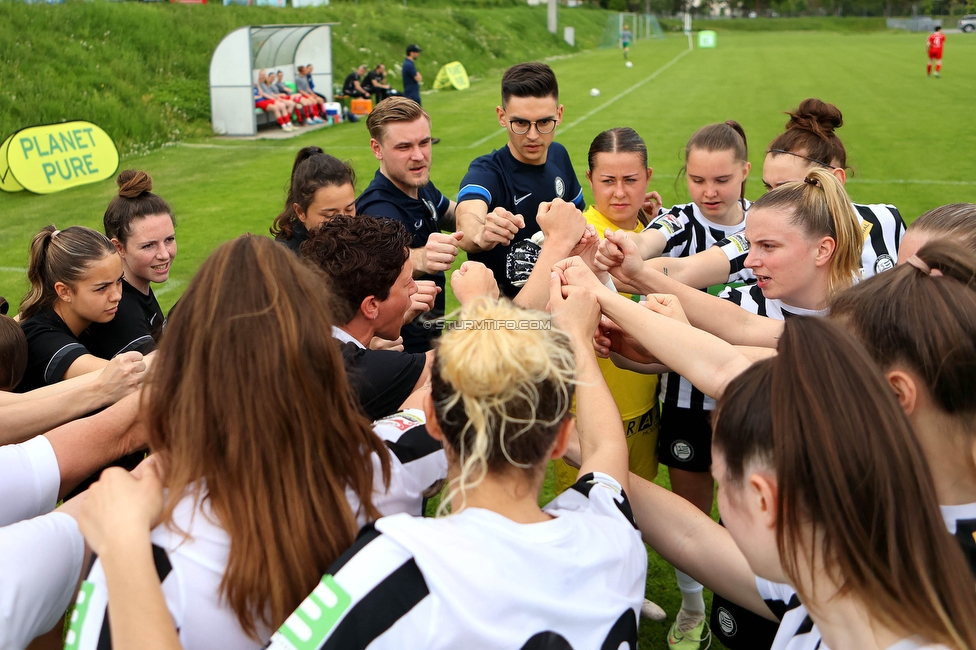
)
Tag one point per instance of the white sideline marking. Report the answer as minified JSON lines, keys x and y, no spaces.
{"x":485,"y":139}
{"x":169,"y":286}
{"x":624,"y":93}
{"x":906,"y":181}
{"x":12,"y":269}
{"x":599,"y":108}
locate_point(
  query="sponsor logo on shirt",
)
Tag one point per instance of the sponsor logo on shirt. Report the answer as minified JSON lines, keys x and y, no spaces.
{"x":560,"y":187}
{"x":866,"y":227}
{"x":740,"y":242}
{"x":403,"y":421}
{"x":313,"y":621}
{"x":669,"y":223}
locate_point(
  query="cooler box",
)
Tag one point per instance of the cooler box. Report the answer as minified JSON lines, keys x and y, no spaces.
{"x":333,"y":112}
{"x":361,"y":106}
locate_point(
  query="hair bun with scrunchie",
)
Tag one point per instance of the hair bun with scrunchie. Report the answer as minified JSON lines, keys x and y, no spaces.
{"x":133,"y":182}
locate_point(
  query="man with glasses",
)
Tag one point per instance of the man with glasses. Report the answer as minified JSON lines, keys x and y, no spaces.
{"x":501,"y":194}
{"x":399,"y":132}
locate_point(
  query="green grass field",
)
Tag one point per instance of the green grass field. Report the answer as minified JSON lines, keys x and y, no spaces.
{"x":909,"y":139}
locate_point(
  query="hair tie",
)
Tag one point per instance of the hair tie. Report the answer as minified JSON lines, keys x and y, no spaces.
{"x":920,"y":264}
{"x":55,"y":234}
{"x":811,"y":181}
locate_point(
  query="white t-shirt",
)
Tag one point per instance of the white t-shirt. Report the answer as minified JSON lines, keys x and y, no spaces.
{"x":40,"y":562}
{"x":29,"y":480}
{"x":191,"y":569}
{"x":480,"y":580}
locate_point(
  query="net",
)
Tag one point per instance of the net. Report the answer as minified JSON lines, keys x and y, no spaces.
{"x":642,"y":27}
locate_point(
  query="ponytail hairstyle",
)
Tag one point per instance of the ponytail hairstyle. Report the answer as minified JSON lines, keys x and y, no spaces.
{"x":135,"y":200}
{"x":620,"y":140}
{"x":922,"y":316}
{"x":60,"y":256}
{"x":13,"y":353}
{"x":726,"y":136}
{"x":821,"y":207}
{"x":852,"y":483}
{"x":250,"y":405}
{"x":956,"y":221}
{"x":312,"y":170}
{"x":810,"y":135}
{"x":501,"y":394}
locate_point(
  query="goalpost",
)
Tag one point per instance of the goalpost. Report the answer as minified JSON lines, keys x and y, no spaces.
{"x":642,"y":27}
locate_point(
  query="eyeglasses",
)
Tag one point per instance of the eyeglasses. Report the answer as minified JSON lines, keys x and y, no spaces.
{"x":543,"y":126}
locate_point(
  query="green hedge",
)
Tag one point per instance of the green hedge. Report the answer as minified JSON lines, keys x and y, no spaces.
{"x":141,"y":70}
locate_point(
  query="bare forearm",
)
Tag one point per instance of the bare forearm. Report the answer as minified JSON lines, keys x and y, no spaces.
{"x":26,"y":418}
{"x":603,"y":445}
{"x":137,"y":611}
{"x":473,"y":228}
{"x":705,"y":360}
{"x":83,"y":446}
{"x":693,"y":543}
{"x":699,"y":271}
{"x":535,"y":293}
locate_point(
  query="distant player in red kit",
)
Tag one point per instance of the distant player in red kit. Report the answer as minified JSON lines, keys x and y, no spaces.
{"x":935,"y":42}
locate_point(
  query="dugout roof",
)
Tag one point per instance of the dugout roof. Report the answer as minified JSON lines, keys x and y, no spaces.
{"x":242,"y":53}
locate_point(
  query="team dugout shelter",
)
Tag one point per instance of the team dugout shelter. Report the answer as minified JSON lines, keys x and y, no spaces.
{"x":243,"y":52}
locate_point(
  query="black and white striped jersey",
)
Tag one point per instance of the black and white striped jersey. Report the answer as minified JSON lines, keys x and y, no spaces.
{"x":797,"y":631}
{"x":191,"y":569}
{"x":881,"y":224}
{"x":687,"y":231}
{"x":961,"y":522}
{"x":682,"y":393}
{"x":480,"y":580}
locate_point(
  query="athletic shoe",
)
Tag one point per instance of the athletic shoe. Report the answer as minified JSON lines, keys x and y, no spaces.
{"x":318,"y":120}
{"x":688,"y":632}
{"x":652,"y":611}
{"x":936,"y":75}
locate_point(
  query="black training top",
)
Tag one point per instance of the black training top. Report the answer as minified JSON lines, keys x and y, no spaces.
{"x":138,"y":325}
{"x":51,"y":349}
{"x":298,"y":235}
{"x":500,"y":180}
{"x":382,"y":379}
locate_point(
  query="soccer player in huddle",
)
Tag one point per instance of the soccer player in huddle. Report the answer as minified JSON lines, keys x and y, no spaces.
{"x":502,"y":191}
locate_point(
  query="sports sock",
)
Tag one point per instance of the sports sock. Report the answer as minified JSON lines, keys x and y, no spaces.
{"x":928,"y":69}
{"x":691,"y":593}
{"x":938,"y":67}
{"x":282,"y":120}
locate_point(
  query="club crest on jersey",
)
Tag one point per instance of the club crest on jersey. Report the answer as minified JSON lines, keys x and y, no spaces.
{"x":560,"y":187}
{"x":883,"y":263}
{"x":669,"y":223}
{"x":727,"y":622}
{"x":681,"y":450}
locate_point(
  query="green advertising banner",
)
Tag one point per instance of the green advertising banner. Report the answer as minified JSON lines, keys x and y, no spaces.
{"x":53,"y":157}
